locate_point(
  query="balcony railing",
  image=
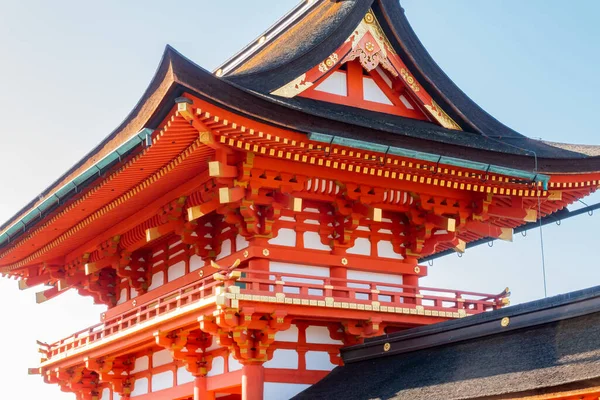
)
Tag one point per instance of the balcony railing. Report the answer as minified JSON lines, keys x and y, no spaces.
{"x":257,"y":285}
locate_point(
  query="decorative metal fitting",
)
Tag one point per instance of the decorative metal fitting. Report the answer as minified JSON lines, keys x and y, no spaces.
{"x":134,"y":303}
{"x":246,"y":253}
{"x":387,"y":347}
{"x":417,"y":269}
{"x":266,"y":252}
{"x":344,"y":261}
{"x":201,"y":273}
{"x":103,"y":316}
{"x":505,"y":321}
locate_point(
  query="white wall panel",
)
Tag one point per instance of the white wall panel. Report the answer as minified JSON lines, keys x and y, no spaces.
{"x":162,"y":381}
{"x":140,"y":387}
{"x":283,"y":358}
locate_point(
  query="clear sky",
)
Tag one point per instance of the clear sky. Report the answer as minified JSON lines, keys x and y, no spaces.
{"x":72,"y":70}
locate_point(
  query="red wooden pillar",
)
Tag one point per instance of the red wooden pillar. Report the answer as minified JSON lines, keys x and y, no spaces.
{"x":340,"y":273}
{"x":200,"y":390}
{"x":253,"y":382}
{"x":411,"y":280}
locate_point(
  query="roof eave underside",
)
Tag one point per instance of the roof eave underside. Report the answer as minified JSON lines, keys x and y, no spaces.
{"x":177,"y":74}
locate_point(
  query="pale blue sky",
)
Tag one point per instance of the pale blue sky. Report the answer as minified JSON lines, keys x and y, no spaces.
{"x":72,"y":70}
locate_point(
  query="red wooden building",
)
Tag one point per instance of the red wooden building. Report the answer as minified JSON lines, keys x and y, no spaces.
{"x":242,"y":226}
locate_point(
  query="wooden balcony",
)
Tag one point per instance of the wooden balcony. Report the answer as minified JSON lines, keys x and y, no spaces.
{"x":322,"y":297}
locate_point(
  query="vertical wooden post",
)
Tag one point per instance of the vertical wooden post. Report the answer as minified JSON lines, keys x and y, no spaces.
{"x":339,"y":273}
{"x":411,"y":280}
{"x":253,"y":382}
{"x":200,"y":390}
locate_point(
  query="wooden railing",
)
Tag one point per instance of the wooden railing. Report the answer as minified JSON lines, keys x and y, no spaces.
{"x":293,"y":286}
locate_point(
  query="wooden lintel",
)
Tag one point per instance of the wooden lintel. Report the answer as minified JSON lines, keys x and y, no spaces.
{"x":193,"y":213}
{"x":152,"y":234}
{"x":45,"y":295}
{"x":446,"y":223}
{"x":506,"y":234}
{"x":61,"y":285}
{"x":376,"y":214}
{"x":297,"y":204}
{"x":555,"y":195}
{"x":217,"y":169}
{"x":531,"y":216}
{"x":90,"y":268}
{"x":230,"y":195}
{"x":23,"y":284}
{"x":461,"y":246}
{"x":519,"y":214}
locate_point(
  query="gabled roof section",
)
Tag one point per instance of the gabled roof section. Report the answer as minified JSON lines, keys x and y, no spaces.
{"x":313,"y":37}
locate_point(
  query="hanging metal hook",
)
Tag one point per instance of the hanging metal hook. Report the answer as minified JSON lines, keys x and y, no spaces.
{"x":430,"y":262}
{"x":524,"y":233}
{"x":558,"y":222}
{"x":459,"y":255}
{"x":491,"y":243}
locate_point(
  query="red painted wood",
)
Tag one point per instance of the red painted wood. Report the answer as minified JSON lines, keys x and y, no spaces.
{"x":253,"y":382}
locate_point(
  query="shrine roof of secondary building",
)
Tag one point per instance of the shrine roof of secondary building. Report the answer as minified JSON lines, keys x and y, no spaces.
{"x":297,"y":43}
{"x":545,"y":346}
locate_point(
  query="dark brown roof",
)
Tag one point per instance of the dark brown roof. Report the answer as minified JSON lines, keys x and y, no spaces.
{"x":548,"y":345}
{"x":177,"y":74}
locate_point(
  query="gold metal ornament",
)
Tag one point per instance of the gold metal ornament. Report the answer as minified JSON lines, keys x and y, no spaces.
{"x":246,"y":253}
{"x":266,"y":252}
{"x":344,"y":261}
{"x":417,"y":269}
{"x":369,"y":18}
{"x":387,"y":347}
{"x":505,"y":321}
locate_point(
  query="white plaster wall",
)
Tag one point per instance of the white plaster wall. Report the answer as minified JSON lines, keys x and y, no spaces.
{"x":122,"y":296}
{"x":240,"y":243}
{"x":318,"y":360}
{"x":289,"y":335}
{"x":140,"y":387}
{"x":133,"y":293}
{"x":234,"y":364}
{"x":334,"y":84}
{"x":361,"y":246}
{"x":225,"y":249}
{"x":218,"y":366}
{"x":282,"y":391}
{"x":285,"y":237}
{"x":377,"y":278}
{"x":116,"y":396}
{"x":161,"y":358}
{"x":275,"y":266}
{"x":158,"y":279}
{"x":184,"y":376}
{"x":283,"y":358}
{"x":320,"y":334}
{"x":161,"y":381}
{"x":141,"y":364}
{"x":385,"y":249}
{"x":176,"y":271}
{"x":105,"y":394}
{"x":372,"y":92}
{"x":196,"y":262}
{"x":312,"y":240}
